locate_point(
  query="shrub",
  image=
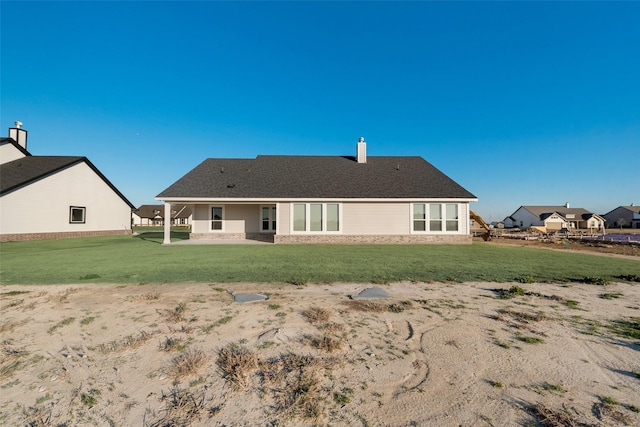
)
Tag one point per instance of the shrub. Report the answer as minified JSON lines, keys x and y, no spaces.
{"x":237,"y":365}
{"x":187,"y":363}
{"x":512,"y":292}
{"x":594,"y":280}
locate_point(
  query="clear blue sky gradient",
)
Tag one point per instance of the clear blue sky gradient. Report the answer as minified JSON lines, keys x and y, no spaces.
{"x":522,"y":103}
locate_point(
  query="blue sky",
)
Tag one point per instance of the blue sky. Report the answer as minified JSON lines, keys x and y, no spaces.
{"x":530,"y":103}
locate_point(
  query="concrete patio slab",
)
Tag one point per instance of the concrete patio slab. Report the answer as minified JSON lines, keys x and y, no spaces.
{"x":242,"y":297}
{"x":370,"y":293}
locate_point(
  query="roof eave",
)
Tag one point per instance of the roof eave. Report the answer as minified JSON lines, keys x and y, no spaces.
{"x":199,"y":200}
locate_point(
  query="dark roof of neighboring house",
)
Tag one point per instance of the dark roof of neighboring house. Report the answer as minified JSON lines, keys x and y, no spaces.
{"x":157,"y":211}
{"x":300,"y":177}
{"x":544,"y":212}
{"x":27,"y":170}
{"x":631,"y":208}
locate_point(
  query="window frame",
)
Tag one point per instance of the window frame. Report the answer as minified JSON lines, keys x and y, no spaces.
{"x":324,"y":220}
{"x":211,"y":219}
{"x":272,"y":220}
{"x":82,"y":209}
{"x":430,"y":222}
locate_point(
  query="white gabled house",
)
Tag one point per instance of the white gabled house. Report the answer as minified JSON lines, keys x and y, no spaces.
{"x":323,"y":199}
{"x":44,"y":197}
{"x":555,"y":218}
{"x":153,"y":215}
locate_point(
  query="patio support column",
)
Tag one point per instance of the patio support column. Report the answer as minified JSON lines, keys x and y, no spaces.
{"x":167,"y":224}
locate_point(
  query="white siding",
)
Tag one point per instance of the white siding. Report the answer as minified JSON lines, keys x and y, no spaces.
{"x":201,"y":218}
{"x":43,"y":206}
{"x":241,"y":218}
{"x":376,"y":218}
{"x":283,"y":213}
{"x":9,"y":153}
{"x":369,"y":219}
{"x":527,"y":218}
{"x":236,"y":218}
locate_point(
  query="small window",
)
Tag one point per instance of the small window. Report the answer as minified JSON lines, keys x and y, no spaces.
{"x":452,"y":217}
{"x":299,"y":217}
{"x":315,"y":212}
{"x":419,"y":217}
{"x":77,"y":215}
{"x":216,"y":218}
{"x":435,"y":217}
{"x":333,"y":217}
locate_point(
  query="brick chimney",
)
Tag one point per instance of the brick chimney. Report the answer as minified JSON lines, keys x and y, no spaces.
{"x":19,"y":135}
{"x":361,"y":150}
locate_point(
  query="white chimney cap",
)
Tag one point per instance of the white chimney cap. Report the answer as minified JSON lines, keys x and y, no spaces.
{"x":18,"y":124}
{"x":361,"y":139}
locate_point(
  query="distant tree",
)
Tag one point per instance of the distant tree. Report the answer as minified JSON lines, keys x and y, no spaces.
{"x":621,"y":221}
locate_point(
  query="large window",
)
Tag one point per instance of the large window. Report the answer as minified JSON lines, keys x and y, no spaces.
{"x":268,"y":218}
{"x":77,"y":214}
{"x":316,"y":217}
{"x":435,"y":217}
{"x":216,"y":218}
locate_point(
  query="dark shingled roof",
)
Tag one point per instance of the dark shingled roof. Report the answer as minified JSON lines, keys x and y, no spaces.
{"x":311,"y":177}
{"x":543,"y":212}
{"x":29,"y":169}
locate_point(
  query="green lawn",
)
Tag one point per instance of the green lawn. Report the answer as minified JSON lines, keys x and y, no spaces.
{"x":141,"y":259}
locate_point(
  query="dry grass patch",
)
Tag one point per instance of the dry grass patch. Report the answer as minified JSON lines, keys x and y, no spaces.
{"x":237,"y":365}
{"x":128,"y":342}
{"x":10,"y":326}
{"x":62,"y":296}
{"x":63,"y":322}
{"x":172,"y":344}
{"x":316,"y":315}
{"x":332,"y":328}
{"x":151,"y":296}
{"x":324,"y":342}
{"x":295,"y":381}
{"x":11,"y":360}
{"x":187,"y":364}
{"x":183,"y":408}
{"x":522,"y":316}
{"x":369,"y":306}
{"x":40,"y":416}
{"x":549,"y":417}
{"x":292,"y":382}
{"x":606,"y":410}
{"x":175,"y":315}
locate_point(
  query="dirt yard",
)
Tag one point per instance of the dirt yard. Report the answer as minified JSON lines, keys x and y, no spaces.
{"x":607,"y":248}
{"x":434,"y":354}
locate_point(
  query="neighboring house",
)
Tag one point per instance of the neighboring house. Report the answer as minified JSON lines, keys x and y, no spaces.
{"x":323,"y":199}
{"x":148,"y":215}
{"x":555,"y":218}
{"x":43,"y":197}
{"x":624,"y":217}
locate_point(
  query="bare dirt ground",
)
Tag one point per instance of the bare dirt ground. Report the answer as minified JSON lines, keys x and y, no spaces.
{"x":601,"y":248}
{"x":434,"y":354}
